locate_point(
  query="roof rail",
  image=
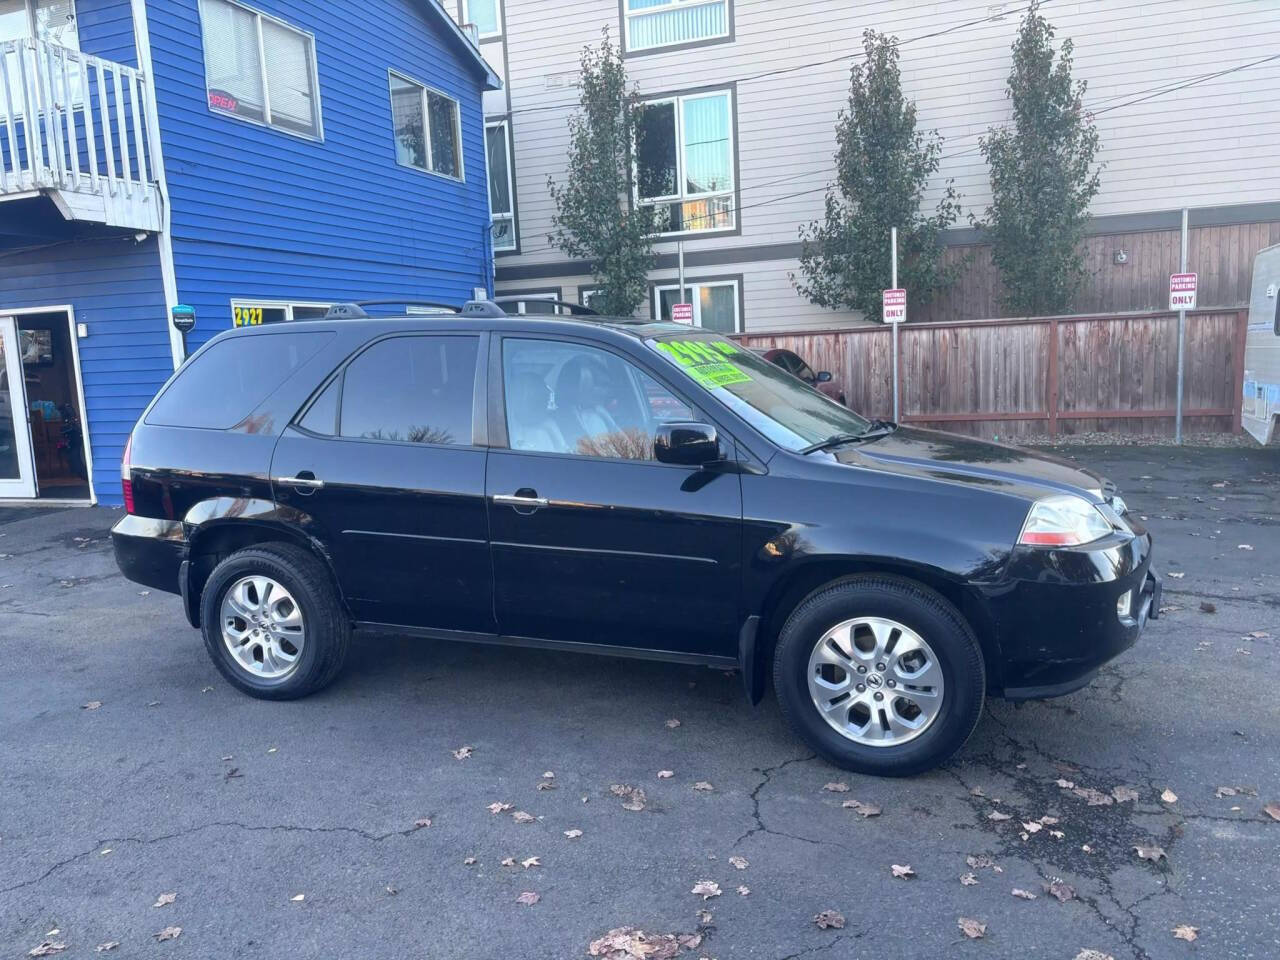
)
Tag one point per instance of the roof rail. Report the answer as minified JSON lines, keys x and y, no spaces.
{"x":575,"y":309}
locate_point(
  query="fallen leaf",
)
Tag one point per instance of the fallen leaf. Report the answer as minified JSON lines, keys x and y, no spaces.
{"x":1124,"y":794}
{"x":573,"y":834}
{"x":704,"y":918}
{"x":743,"y":891}
{"x":1259,"y":635}
{"x":1186,"y":932}
{"x":1023,"y":894}
{"x":1175,"y":576}
{"x":391,"y":891}
{"x":1168,"y":796}
{"x":978,"y":862}
{"x":109,"y":945}
{"x":973,"y":929}
{"x":165,"y":899}
{"x":829,"y":920}
{"x":1272,"y":810}
{"x":706,"y":889}
{"x":168,"y":933}
{"x":703,"y":785}
{"x":1062,"y":892}
{"x":47,"y":948}
{"x":499,"y":807}
{"x":1153,"y":853}
{"x":902,"y":871}
{"x":232,"y":774}
{"x":837,"y":787}
{"x":628,"y":943}
{"x":104,"y":851}
{"x":1065,"y":784}
{"x":1243,"y":546}
{"x":1207,"y":607}
{"x":91,"y":705}
{"x":546,"y":785}
{"x":1088,"y":954}
{"x":528,"y":898}
{"x":508,"y":861}
{"x":469,"y":862}
{"x":739,"y":862}
{"x":530,"y":862}
{"x":548,"y":775}
{"x":620,"y":789}
{"x":1057,"y":834}
{"x":462,"y":753}
{"x":672,"y":723}
{"x":422,"y":822}
{"x":298,"y":898}
{"x":228,"y":757}
{"x":976,"y":792}
{"x":1096,"y":798}
{"x":997,"y":816}
{"x":1086,"y":848}
{"x":1048,"y":821}
{"x":1031,"y":826}
{"x":521,"y":817}
{"x":666,"y":774}
{"x":968,"y":880}
{"x":864,"y":809}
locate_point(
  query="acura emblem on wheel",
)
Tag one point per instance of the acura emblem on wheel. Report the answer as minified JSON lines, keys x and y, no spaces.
{"x":873,"y":680}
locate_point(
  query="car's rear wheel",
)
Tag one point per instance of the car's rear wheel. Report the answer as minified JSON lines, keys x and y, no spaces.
{"x":272,"y":624}
{"x":880,"y":675}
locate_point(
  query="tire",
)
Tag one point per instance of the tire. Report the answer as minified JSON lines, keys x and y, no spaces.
{"x":326,"y":631}
{"x":865,"y":604}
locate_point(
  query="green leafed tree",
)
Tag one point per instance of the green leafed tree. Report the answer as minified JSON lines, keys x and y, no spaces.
{"x":1043,"y":176}
{"x":594,"y":217}
{"x":883,"y":167}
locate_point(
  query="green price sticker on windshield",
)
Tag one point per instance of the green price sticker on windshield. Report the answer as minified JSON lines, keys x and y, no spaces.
{"x":706,"y":362}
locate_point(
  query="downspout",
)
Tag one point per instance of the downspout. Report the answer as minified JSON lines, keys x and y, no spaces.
{"x":164,"y":240}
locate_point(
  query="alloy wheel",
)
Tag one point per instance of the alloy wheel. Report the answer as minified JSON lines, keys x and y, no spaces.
{"x":262,"y":627}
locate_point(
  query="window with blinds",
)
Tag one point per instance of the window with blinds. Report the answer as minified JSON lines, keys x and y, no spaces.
{"x":649,"y":24}
{"x":259,"y":69}
{"x":685,"y":162}
{"x":426,"y":128}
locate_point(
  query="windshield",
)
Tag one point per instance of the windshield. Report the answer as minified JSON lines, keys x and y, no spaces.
{"x":781,"y":407}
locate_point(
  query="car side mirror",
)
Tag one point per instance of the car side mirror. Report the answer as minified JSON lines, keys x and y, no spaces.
{"x":686,"y":444}
{"x":824,"y":376}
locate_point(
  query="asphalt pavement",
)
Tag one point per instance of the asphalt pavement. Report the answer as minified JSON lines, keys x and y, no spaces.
{"x":345,"y":826}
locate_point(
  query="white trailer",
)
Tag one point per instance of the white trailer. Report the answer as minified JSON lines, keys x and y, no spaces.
{"x":1260,"y":405}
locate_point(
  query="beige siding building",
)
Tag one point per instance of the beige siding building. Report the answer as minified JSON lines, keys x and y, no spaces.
{"x":746,"y":95}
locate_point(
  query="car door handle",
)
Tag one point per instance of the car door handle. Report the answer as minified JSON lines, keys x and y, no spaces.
{"x":521,"y":499}
{"x":306,"y":479}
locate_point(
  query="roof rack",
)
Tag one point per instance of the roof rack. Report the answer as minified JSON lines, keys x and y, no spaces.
{"x":575,"y":309}
{"x":356,"y":311}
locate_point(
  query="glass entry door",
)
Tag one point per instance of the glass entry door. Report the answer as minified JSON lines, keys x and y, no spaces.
{"x":17,"y":469}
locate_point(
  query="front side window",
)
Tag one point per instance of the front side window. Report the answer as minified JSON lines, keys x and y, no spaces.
{"x":260,"y":69}
{"x":715,"y":304}
{"x":502,"y":209}
{"x":485,"y":14}
{"x":662,"y":23}
{"x":411,"y":390}
{"x":574,"y":399}
{"x":426,"y":127}
{"x":773,"y":401}
{"x":684,"y":162}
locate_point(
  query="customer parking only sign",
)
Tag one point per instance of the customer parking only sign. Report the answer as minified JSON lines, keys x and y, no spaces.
{"x":1182,"y":291}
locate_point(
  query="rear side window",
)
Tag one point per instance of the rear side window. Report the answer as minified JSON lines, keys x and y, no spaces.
{"x":411,"y":390}
{"x":225,"y":383}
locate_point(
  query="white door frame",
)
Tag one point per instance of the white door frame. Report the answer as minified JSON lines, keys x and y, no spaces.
{"x":24,"y":484}
{"x":69,"y":311}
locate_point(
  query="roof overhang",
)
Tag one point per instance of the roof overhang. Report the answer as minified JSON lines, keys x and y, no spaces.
{"x":458,"y":37}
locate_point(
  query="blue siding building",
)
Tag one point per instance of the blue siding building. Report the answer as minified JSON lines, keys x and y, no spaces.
{"x":256,"y":161}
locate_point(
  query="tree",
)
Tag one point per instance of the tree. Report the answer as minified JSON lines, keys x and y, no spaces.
{"x":883,"y":165}
{"x":595,"y":219}
{"x":1043,"y":176}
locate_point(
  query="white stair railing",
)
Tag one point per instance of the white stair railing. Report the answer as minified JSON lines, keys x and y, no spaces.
{"x":71,"y":121}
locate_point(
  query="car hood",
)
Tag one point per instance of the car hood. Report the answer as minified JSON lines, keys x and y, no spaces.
{"x":957,"y":459}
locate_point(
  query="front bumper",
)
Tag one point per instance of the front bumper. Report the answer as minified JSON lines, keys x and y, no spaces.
{"x":1056,"y":618}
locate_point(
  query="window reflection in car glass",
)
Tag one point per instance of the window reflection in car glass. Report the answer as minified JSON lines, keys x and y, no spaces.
{"x":574,"y":399}
{"x":411,"y":390}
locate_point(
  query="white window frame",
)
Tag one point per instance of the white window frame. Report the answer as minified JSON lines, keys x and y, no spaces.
{"x":505,"y":124}
{"x":693,"y":286}
{"x":423,"y":88}
{"x":628,"y":15}
{"x":465,"y":10}
{"x":286,"y":305}
{"x":680,"y":197}
{"x":33,"y":32}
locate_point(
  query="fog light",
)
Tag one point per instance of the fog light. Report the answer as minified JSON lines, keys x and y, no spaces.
{"x":1124,"y":603}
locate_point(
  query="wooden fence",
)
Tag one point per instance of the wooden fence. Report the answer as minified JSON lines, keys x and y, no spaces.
{"x":1010,"y":378}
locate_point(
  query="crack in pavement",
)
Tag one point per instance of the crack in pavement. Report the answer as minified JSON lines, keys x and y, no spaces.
{"x":826,"y":946}
{"x":224,"y":824}
{"x":766,"y":774}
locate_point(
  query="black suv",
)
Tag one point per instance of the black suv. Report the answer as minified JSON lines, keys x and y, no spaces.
{"x":620,"y":487}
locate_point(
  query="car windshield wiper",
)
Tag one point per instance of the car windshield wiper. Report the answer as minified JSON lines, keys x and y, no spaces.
{"x":875,"y":430}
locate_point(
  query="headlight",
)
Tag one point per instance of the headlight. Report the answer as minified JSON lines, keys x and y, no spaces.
{"x":1063,"y":521}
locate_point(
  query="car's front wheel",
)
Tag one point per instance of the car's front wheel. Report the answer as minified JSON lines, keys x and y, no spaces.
{"x":272,"y":623}
{"x":880,"y":675}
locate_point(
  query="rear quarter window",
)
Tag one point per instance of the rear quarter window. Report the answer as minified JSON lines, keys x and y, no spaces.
{"x":223,"y":385}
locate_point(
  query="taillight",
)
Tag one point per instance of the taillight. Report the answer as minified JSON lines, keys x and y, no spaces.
{"x":126,"y":475}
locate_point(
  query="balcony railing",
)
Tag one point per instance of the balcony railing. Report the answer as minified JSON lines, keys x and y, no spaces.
{"x":76,"y":127}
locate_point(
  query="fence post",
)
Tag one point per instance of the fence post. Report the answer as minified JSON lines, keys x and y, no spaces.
{"x":1237,"y":366}
{"x":1053,"y":377}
